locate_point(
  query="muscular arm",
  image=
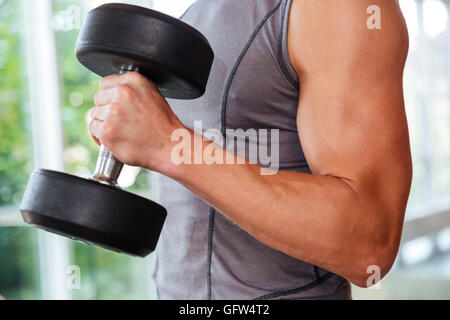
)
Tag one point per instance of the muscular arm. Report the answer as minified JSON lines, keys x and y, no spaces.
{"x":352,"y":125}
{"x":352,"y":122}
{"x":349,"y":213}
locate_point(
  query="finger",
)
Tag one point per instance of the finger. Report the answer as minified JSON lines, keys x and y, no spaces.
{"x":95,"y":129}
{"x":105,"y":96}
{"x":133,"y":79}
{"x":99,"y":113}
{"x":110,"y":81}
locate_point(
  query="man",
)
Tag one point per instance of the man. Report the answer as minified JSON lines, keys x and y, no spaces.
{"x":332,"y":87}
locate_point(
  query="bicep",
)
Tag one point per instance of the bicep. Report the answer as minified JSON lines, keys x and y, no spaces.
{"x":351,"y":116}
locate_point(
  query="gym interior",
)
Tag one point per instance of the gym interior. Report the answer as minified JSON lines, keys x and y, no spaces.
{"x":42,"y":83}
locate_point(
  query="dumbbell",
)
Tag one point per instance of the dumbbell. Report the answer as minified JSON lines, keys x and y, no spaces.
{"x":117,"y":38}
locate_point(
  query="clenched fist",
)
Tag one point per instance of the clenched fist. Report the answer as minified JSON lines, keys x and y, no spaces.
{"x":133,"y":120}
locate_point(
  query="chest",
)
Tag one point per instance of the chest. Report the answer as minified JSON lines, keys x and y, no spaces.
{"x":246,"y":88}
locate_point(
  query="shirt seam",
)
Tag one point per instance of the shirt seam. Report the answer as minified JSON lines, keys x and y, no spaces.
{"x":301,"y":289}
{"x":209,"y":251}
{"x":280,"y":58}
{"x":237,"y":64}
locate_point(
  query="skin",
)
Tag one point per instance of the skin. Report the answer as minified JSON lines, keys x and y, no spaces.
{"x":348,"y":214}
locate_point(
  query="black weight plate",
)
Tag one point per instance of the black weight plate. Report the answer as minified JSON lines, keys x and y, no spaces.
{"x":93,"y":213}
{"x":171,"y":53}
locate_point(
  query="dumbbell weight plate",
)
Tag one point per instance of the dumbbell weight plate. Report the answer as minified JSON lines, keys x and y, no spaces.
{"x":93,"y":213}
{"x":167,"y":51}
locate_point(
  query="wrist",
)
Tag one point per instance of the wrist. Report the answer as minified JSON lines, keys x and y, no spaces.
{"x":167,"y":162}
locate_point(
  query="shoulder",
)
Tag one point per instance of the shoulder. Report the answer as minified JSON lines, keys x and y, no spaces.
{"x":353,"y":31}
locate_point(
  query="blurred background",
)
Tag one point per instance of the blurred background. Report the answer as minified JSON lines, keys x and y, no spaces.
{"x":44,"y":98}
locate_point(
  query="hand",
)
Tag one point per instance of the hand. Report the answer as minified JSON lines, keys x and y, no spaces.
{"x":133,"y":120}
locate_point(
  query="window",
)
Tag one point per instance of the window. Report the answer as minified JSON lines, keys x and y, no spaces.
{"x":38,"y":69}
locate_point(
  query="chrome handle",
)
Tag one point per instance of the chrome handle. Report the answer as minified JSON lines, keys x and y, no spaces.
{"x":108,"y":168}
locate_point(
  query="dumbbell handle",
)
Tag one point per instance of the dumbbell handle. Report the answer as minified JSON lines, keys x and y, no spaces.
{"x":108,"y":168}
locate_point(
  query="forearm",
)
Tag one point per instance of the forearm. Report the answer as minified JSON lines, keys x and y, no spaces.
{"x":317,"y":219}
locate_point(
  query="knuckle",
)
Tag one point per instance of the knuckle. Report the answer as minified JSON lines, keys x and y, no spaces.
{"x":124,"y":91}
{"x":107,"y":134}
{"x":115,"y":110}
{"x":95,"y":113}
{"x":91,"y":126}
{"x":103,"y":82}
{"x":152,"y":85}
{"x":132,"y":76}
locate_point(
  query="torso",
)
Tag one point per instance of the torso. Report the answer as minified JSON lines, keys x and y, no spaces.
{"x":202,"y":254}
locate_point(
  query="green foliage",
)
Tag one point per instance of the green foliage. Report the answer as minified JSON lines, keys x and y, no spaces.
{"x":18,"y":261}
{"x":108,"y":275}
{"x":19,"y":276}
{"x":15,"y":145}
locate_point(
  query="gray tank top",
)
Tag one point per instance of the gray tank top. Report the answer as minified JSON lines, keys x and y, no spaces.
{"x":201,"y":254}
